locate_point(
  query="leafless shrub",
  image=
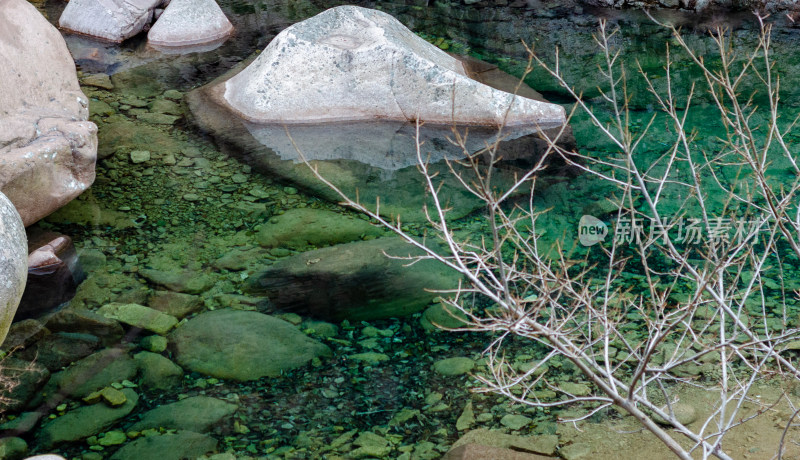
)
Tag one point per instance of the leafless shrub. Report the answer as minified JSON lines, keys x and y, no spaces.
{"x":708,"y":304}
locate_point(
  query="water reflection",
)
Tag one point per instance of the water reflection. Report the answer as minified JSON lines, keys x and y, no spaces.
{"x":388,"y":145}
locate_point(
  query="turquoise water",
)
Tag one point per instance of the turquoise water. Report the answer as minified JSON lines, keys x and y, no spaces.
{"x":197,"y":205}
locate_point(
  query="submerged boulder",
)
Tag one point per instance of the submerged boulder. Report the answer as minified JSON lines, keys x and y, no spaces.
{"x":47,"y":147}
{"x":113,"y":20}
{"x":242,"y":345}
{"x":350,"y":63}
{"x":190,"y":23}
{"x":13,"y":263}
{"x":354,"y":281}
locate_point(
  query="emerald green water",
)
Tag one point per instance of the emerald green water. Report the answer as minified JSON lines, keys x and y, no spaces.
{"x":194,"y":203}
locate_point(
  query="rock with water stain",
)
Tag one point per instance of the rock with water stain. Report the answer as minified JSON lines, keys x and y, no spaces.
{"x":190,"y":23}
{"x":13,"y":263}
{"x":47,"y":147}
{"x":350,"y":63}
{"x":54,"y":272}
{"x":112,"y":20}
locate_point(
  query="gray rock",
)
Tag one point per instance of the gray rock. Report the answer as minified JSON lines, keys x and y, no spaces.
{"x":178,"y":446}
{"x":454,"y":366}
{"x":139,"y":316}
{"x":13,"y":262}
{"x":189,"y":22}
{"x":47,"y":147}
{"x":304,"y":227}
{"x":157,"y":372}
{"x":353,"y":281}
{"x":363,"y":157}
{"x":198,"y":413}
{"x":84,"y":421}
{"x":362,"y":64}
{"x":113,"y":20}
{"x":242,"y":345}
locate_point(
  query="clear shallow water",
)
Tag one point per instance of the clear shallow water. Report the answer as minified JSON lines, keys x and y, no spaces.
{"x":194,"y":202}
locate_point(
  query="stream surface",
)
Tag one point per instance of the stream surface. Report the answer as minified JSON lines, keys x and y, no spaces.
{"x":194,"y":202}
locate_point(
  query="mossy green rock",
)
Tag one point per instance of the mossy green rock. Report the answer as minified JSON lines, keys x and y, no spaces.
{"x":139,"y":316}
{"x":177,"y":446}
{"x":92,"y":373}
{"x":454,"y":366}
{"x":13,"y":448}
{"x":242,"y":345}
{"x":304,"y":227}
{"x":84,"y":421}
{"x":156,"y":371}
{"x":198,"y":414}
{"x":440,"y":316}
{"x":354,"y":281}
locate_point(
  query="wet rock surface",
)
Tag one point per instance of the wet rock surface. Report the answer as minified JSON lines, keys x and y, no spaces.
{"x":13,"y":263}
{"x":47,"y":146}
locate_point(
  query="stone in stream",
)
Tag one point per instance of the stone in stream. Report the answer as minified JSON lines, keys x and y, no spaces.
{"x":374,"y":157}
{"x":197,"y":413}
{"x":20,"y":381}
{"x":92,"y":373}
{"x":139,"y":316}
{"x":353,"y":281}
{"x":177,"y":446}
{"x":13,"y":262}
{"x":112,"y":20}
{"x":242,"y":345}
{"x":85,"y":421}
{"x":54,"y":272}
{"x":304,"y":227}
{"x":47,"y":147}
{"x":189,"y":23}
{"x":374,"y":68}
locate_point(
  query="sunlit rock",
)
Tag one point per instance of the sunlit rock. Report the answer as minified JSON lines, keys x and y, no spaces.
{"x":352,"y":64}
{"x":113,"y":20}
{"x":47,"y":147}
{"x":190,"y":23}
{"x":13,"y":263}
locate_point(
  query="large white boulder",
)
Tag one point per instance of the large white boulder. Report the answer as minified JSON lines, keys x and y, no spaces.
{"x":113,"y":20}
{"x":350,"y":64}
{"x":189,"y":23}
{"x":47,"y":147}
{"x":13,"y":262}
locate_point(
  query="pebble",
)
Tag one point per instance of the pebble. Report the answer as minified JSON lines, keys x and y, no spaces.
{"x":191,"y":197}
{"x":454,"y":366}
{"x":515,"y":421}
{"x":140,"y":156}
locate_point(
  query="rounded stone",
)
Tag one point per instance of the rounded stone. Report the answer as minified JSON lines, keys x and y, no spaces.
{"x":454,"y":366}
{"x":242,"y":345}
{"x":13,"y":263}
